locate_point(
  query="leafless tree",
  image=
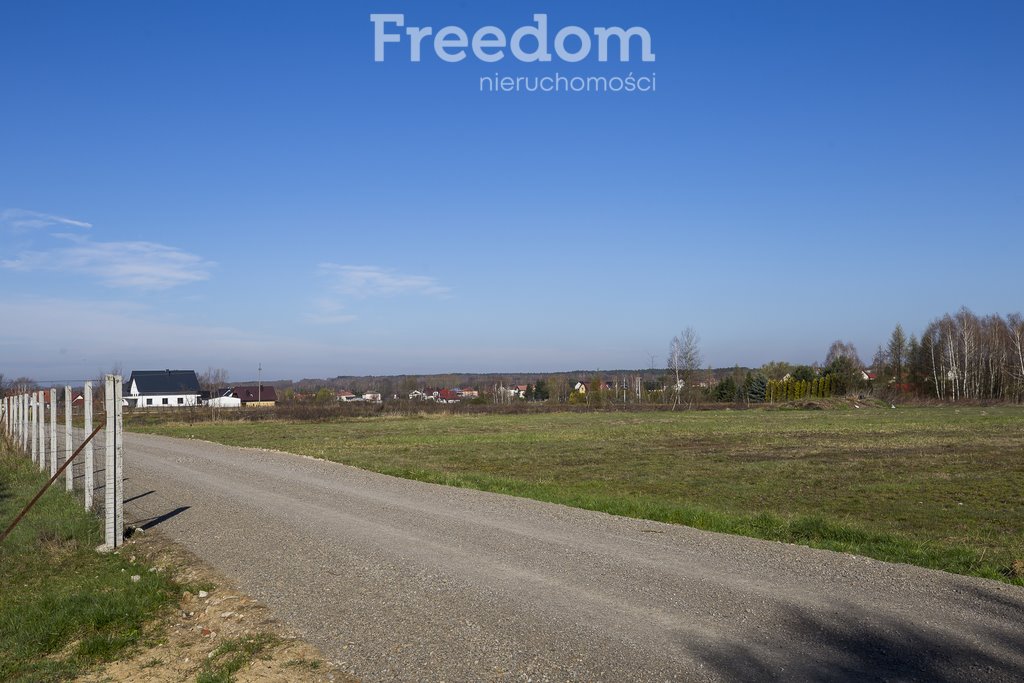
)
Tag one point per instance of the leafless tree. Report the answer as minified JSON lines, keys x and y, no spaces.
{"x":1015,"y":331}
{"x":684,"y":360}
{"x":841,"y":349}
{"x":23,"y":385}
{"x":115,"y":369}
{"x":213,"y":379}
{"x":976,"y":358}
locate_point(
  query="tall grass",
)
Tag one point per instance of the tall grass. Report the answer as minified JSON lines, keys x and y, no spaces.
{"x":64,"y":607}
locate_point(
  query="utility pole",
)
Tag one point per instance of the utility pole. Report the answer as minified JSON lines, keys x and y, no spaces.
{"x":259,"y":384}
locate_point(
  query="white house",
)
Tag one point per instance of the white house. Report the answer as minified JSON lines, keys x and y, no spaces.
{"x":228,"y":400}
{"x":162,"y":389}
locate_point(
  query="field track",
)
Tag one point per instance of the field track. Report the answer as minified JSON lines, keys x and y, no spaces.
{"x":403,"y":580}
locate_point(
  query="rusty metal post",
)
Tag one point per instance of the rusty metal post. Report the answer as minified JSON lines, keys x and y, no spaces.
{"x":21,"y":515}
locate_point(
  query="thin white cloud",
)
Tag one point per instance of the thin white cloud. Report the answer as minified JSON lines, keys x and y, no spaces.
{"x":362,"y":282}
{"x":22,"y":219}
{"x":68,"y":338}
{"x":327,"y":311}
{"x":141,"y":265}
{"x":344,"y":284}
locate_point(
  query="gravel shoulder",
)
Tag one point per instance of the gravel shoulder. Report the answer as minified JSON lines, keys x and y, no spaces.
{"x":208,"y":627}
{"x":401,"y":580}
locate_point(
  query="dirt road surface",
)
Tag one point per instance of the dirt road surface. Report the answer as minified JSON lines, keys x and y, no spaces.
{"x":405,"y":581}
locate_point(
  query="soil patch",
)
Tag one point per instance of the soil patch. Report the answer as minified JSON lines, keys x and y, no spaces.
{"x":216,"y":632}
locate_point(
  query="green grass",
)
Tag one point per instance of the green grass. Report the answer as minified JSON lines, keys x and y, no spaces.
{"x":231,"y":655}
{"x":936,"y":486}
{"x":64,"y":607}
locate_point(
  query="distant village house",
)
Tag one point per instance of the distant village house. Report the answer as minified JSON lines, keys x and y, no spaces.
{"x":255,"y":396}
{"x":162,"y":389}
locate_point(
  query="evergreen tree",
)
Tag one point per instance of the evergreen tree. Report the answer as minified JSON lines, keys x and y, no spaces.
{"x":897,"y":352}
{"x":540,"y":391}
{"x":803,"y":372}
{"x":756,"y":387}
{"x":726,"y":390}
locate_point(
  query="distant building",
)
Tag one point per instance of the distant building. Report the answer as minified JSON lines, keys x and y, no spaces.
{"x":255,"y":396}
{"x":162,"y":389}
{"x":346,"y":396}
{"x":225,"y":400}
{"x":449,"y":396}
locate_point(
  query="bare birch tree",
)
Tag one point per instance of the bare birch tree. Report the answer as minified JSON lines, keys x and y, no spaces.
{"x":684,"y":360}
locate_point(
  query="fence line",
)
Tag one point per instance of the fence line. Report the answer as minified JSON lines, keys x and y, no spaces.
{"x":23,"y":420}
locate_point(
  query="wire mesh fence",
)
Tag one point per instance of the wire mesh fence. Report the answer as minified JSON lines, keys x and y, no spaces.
{"x":83,"y":446}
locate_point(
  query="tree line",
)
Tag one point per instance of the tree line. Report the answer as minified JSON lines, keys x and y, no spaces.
{"x":958,"y":356}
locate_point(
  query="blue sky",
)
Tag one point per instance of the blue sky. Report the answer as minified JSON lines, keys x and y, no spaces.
{"x":226,"y":184}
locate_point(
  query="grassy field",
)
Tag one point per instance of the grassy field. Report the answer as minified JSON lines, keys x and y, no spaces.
{"x":63,"y":606}
{"x":938,"y":486}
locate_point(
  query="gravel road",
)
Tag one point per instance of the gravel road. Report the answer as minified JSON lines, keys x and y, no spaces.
{"x":406,"y":581}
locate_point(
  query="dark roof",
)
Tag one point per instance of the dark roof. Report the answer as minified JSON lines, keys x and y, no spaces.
{"x":254,"y":393}
{"x":164,"y":382}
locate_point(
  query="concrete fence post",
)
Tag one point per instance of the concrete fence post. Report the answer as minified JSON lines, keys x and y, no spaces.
{"x":69,"y":473}
{"x":41,"y":428}
{"x":34,"y":417}
{"x":35,"y":428}
{"x":53,"y":431}
{"x":114,"y":493}
{"x":87,"y":454}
